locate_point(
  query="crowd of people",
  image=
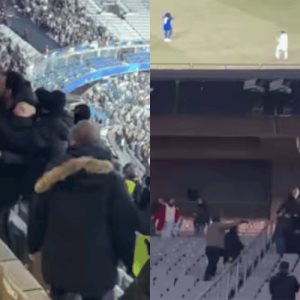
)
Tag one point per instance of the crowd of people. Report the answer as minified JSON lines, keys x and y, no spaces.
{"x":125,"y":102}
{"x":55,"y":166}
{"x":11,"y":55}
{"x":66,"y":21}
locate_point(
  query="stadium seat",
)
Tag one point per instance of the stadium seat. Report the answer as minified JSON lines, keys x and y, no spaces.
{"x":9,"y":290}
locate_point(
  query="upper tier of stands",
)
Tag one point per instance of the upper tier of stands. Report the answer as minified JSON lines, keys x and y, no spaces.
{"x":28,"y":50}
{"x":131,"y":24}
{"x":136,"y":5}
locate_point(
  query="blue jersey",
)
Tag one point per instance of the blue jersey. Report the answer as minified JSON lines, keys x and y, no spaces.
{"x":167,"y":20}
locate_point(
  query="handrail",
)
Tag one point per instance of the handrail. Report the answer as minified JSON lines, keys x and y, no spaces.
{"x":241,"y":264}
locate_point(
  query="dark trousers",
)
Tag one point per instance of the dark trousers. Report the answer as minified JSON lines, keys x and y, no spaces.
{"x":213,"y":255}
{"x":59,"y":294}
{"x":4,"y":225}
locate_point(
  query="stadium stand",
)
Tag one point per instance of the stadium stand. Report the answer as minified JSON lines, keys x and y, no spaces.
{"x":125,"y":106}
{"x":120,"y":28}
{"x":93,"y":46}
{"x":136,"y":5}
{"x":14,"y":51}
{"x":54,"y":15}
{"x":28,"y":50}
{"x":178,"y":265}
{"x":15,"y":281}
{"x":140,"y":21}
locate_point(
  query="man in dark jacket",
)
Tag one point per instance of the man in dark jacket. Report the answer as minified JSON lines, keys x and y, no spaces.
{"x":144,"y":203}
{"x":81,"y":112}
{"x":81,"y":220}
{"x":54,"y":123}
{"x":215,"y":244}
{"x":51,"y":133}
{"x":201,"y":217}
{"x":288,"y":214}
{"x":284,"y":286}
{"x":233,"y":245}
{"x":16,"y":141}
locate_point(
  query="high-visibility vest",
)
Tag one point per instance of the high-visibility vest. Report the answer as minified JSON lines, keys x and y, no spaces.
{"x":130,"y":184}
{"x":141,"y":253}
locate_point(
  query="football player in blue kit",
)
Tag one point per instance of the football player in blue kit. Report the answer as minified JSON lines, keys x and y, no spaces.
{"x":168,"y":27}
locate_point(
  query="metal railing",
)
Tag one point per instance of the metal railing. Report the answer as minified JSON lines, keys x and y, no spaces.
{"x":232,"y":278}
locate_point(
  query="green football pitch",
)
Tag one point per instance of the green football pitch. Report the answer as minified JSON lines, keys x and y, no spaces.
{"x":225,"y":31}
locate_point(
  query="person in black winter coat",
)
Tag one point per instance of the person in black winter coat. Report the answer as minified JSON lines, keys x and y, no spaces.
{"x":201,"y":219}
{"x":131,"y":178}
{"x":81,"y":112}
{"x":13,"y":90}
{"x":291,"y":207}
{"x":16,"y":142}
{"x":233,"y":245}
{"x":81,"y":220}
{"x":54,"y":123}
{"x":288,"y":216}
{"x":51,"y":134}
{"x":283,"y":286}
{"x":144,"y":202}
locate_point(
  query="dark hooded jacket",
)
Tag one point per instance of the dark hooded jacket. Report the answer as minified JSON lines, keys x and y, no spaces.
{"x":16,"y":144}
{"x":233,"y":245}
{"x":52,"y":135}
{"x":202,"y":215}
{"x":50,"y":139}
{"x":283,"y":287}
{"x":81,"y":220}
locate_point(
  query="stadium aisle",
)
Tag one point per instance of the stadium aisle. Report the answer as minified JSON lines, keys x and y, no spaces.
{"x":37,"y":37}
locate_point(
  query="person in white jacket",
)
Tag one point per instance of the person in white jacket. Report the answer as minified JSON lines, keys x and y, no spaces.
{"x":282,"y":46}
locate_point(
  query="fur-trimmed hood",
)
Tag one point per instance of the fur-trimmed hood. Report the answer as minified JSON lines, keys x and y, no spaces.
{"x":70,"y":167}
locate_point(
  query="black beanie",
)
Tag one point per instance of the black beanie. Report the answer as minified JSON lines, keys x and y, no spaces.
{"x":53,"y":102}
{"x":14,"y":81}
{"x":26,"y":94}
{"x":21,"y":89}
{"x":81,"y":112}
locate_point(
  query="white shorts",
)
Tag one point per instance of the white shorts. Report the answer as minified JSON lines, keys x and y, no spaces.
{"x":280,"y":48}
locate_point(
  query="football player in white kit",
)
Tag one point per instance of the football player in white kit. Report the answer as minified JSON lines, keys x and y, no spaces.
{"x":282,"y":46}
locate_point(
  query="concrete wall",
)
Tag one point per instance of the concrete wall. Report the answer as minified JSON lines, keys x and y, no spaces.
{"x":232,"y":188}
{"x":252,"y":189}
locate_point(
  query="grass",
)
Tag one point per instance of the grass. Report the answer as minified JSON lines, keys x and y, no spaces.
{"x":225,"y":31}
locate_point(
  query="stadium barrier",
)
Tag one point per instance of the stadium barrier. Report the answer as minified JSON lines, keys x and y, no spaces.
{"x":65,"y":57}
{"x":107,"y":72}
{"x":16,"y":283}
{"x":232,"y":278}
{"x":206,"y":66}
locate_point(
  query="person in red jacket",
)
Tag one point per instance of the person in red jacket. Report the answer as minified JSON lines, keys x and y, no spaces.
{"x":167,"y":218}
